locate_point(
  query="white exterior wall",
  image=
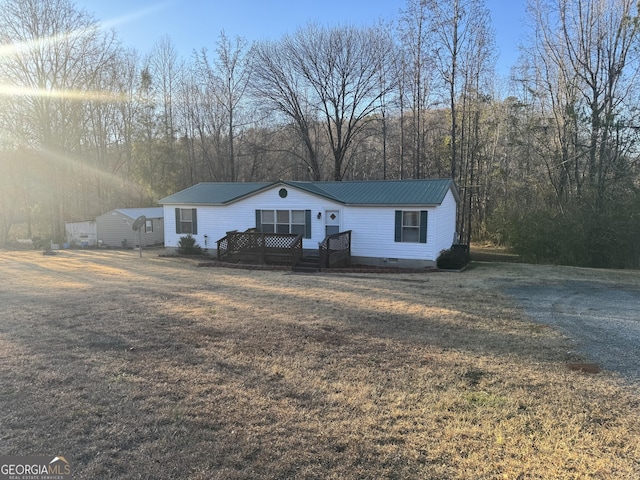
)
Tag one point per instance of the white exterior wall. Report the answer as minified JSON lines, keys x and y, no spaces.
{"x":374,"y":234}
{"x":82,"y":234}
{"x":216,"y":221}
{"x":373,"y":228}
{"x":445,"y":224}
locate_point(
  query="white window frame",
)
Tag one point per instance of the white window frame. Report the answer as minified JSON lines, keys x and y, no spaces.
{"x":279,"y":224}
{"x":414,"y":229}
{"x":184,"y":222}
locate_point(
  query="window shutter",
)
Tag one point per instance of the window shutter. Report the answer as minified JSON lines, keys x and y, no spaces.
{"x":398,"y":236}
{"x":178,"y":226}
{"x":307,"y":224}
{"x":194,"y":220}
{"x":258,"y":221}
{"x":423,"y":226}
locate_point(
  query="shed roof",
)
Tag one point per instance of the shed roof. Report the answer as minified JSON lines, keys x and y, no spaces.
{"x":375,"y":192}
{"x":152,"y":212}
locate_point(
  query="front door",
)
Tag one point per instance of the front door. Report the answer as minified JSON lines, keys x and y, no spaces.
{"x":331,"y":222}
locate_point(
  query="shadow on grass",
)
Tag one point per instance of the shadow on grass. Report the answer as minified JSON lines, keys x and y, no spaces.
{"x":264,"y":375}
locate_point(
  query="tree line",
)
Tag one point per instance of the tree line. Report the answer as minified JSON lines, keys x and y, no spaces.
{"x":87,"y":125}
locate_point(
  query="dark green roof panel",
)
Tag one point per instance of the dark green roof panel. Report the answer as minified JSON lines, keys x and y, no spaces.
{"x":377,"y":192}
{"x":387,"y":192}
{"x":214,"y":193}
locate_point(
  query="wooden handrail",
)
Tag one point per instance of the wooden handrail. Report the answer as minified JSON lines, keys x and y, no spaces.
{"x":335,"y":250}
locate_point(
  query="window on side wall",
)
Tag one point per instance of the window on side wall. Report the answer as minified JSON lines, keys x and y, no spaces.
{"x":186,"y":221}
{"x":411,"y":226}
{"x":148,"y":226}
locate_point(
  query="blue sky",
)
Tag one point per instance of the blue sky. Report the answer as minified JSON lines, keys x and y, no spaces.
{"x":194,"y":24}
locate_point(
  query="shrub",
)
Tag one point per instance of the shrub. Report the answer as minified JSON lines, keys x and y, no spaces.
{"x":453,"y":259}
{"x":188,"y":246}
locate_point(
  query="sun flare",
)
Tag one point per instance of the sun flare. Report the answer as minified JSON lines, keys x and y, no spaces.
{"x":100,"y":96}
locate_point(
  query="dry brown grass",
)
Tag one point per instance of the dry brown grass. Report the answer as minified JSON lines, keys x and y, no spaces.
{"x":154,"y":368}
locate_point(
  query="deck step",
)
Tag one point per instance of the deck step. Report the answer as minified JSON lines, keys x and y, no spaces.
{"x":308,"y":264}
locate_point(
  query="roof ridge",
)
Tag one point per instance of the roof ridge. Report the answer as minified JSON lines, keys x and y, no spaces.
{"x":350,"y":192}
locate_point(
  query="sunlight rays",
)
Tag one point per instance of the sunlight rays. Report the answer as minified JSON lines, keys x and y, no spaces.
{"x":98,"y":96}
{"x":130,"y":17}
{"x":74,"y":163}
{"x":21,"y":92}
{"x":17,"y":48}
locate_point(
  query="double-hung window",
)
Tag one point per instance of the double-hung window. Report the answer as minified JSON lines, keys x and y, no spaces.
{"x":186,"y":221}
{"x":284,"y":221}
{"x":411,"y":226}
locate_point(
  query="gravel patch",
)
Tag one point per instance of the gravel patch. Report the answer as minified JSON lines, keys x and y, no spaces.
{"x":602,"y":319}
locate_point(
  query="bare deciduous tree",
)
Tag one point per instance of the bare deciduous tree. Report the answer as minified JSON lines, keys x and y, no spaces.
{"x":585,"y":69}
{"x":417,"y":75}
{"x":227,"y":78}
{"x":276,"y":81}
{"x":329,"y":76}
{"x":462,"y":42}
{"x":340,"y":65}
{"x":53,"y":56}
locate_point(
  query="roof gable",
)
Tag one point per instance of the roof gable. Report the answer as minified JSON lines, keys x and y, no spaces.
{"x":374,"y":192}
{"x":214,"y":193}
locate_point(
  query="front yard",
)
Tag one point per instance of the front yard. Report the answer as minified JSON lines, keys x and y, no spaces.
{"x":153,"y":368}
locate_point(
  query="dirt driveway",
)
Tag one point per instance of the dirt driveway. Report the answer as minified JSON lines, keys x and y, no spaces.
{"x":601,"y":318}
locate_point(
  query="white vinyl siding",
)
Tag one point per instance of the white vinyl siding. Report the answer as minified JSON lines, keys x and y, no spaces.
{"x":444,"y":224}
{"x":215,"y":221}
{"x":373,"y":227}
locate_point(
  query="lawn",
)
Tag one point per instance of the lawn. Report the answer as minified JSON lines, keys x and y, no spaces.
{"x":154,"y":368}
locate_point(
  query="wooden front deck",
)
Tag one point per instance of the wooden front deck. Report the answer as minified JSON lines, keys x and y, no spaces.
{"x":260,"y":248}
{"x":283,"y":249}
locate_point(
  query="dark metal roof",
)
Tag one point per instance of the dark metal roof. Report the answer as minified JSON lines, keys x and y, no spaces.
{"x":376,"y":192}
{"x":214,"y":193}
{"x":151,"y":212}
{"x":386,"y":192}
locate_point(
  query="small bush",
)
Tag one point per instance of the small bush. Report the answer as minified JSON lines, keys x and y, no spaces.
{"x":454,"y":259}
{"x":41,"y":244}
{"x":188,"y":246}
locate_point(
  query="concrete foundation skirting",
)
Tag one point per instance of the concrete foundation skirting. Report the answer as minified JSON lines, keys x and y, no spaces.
{"x":393,"y":262}
{"x":390,"y":263}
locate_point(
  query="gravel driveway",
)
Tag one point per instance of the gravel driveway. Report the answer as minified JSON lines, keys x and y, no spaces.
{"x":602,"y":319}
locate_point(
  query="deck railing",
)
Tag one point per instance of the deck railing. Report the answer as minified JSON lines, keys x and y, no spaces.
{"x":260,"y":248}
{"x":335,"y":250}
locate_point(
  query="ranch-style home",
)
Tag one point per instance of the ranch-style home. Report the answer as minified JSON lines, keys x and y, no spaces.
{"x":385,"y":223}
